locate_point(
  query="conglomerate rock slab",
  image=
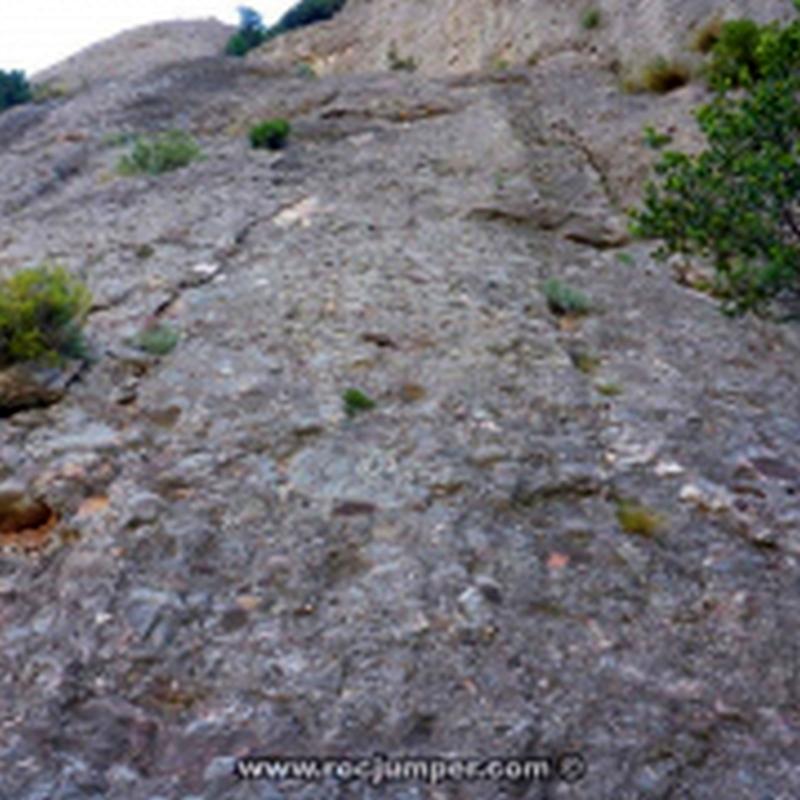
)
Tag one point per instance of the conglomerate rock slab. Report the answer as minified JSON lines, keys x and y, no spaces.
{"x":242,"y":567}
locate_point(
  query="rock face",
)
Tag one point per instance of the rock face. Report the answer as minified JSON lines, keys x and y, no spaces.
{"x":449,"y":36}
{"x":219,"y":561}
{"x":139,"y":50}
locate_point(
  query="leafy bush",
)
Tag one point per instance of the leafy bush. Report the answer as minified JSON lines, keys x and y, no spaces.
{"x":251,"y":33}
{"x":736,"y":202}
{"x":14,"y":89}
{"x":590,"y":19}
{"x":734,"y":58}
{"x":158,"y":339}
{"x":42,"y":311}
{"x":307,"y":12}
{"x":563,"y":299}
{"x":162,"y":153}
{"x":271,"y":134}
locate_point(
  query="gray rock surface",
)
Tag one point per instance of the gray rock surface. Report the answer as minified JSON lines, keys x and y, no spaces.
{"x":455,"y":36}
{"x":235,"y":565}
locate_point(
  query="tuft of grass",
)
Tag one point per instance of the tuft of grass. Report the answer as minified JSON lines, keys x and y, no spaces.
{"x":563,"y":299}
{"x":585,"y":362}
{"x":355,"y":401}
{"x":157,"y":339}
{"x":305,"y":70}
{"x":118,"y":139}
{"x":626,"y":258}
{"x":44,"y":92}
{"x":590,"y":19}
{"x":609,"y":389}
{"x":144,"y":251}
{"x":637,"y":519}
{"x":271,"y":134}
{"x":161,"y":153}
{"x":659,"y":76}
{"x":399,"y":64}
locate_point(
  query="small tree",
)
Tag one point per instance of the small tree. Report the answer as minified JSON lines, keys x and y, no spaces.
{"x":14,"y":89}
{"x":738,"y":201}
{"x":251,"y":33}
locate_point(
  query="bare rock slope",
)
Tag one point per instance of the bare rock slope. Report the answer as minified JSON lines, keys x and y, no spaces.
{"x":549,"y":536}
{"x":468,"y":35}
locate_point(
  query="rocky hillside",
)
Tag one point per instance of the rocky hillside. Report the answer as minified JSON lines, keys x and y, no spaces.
{"x":551,"y":535}
{"x":449,"y":36}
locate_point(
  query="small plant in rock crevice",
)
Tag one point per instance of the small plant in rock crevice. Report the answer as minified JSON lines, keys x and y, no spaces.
{"x":157,"y":339}
{"x":564,"y":300}
{"x":355,"y":401}
{"x":638,"y":520}
{"x":398,"y":63}
{"x":590,"y":19}
{"x":271,"y":134}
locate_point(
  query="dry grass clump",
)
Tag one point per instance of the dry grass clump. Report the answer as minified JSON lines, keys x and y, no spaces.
{"x":706,"y":35}
{"x":659,"y":76}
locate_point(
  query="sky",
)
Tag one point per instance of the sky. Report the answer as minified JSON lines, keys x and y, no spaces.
{"x":38,"y":33}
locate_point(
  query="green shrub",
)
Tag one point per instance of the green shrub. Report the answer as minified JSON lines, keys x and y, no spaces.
{"x":355,"y":401}
{"x":734,"y":56}
{"x":14,"y":89}
{"x":158,"y":339}
{"x":250,"y":34}
{"x":590,"y":19}
{"x":42,"y":311}
{"x":162,"y":153}
{"x":736,"y":201}
{"x":563,"y":299}
{"x":271,"y":134}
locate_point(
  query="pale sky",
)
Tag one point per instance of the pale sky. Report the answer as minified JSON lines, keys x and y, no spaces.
{"x":38,"y":33}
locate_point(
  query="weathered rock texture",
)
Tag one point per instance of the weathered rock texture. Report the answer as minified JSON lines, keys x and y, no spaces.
{"x":470,"y":35}
{"x":222,"y":562}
